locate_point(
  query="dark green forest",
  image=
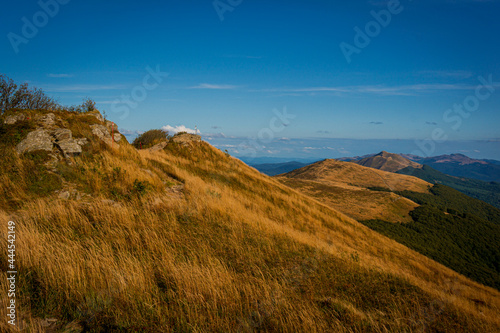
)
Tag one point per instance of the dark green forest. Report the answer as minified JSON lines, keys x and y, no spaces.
{"x":486,"y":191}
{"x":460,"y":232}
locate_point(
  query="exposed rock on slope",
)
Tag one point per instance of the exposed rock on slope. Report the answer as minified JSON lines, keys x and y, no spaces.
{"x":52,"y":135}
{"x":36,"y":140}
{"x":186,"y":138}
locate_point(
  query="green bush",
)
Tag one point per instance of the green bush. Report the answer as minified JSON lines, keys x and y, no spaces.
{"x":87,"y":105}
{"x":140,"y":187}
{"x":150,"y":138}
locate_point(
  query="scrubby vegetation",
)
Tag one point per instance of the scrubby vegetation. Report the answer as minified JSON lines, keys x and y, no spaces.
{"x":13,"y":96}
{"x":150,"y":138}
{"x":453,"y":229}
{"x":447,"y":198}
{"x":22,"y":97}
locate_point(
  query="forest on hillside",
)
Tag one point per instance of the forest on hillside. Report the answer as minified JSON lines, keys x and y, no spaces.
{"x":453,"y":229}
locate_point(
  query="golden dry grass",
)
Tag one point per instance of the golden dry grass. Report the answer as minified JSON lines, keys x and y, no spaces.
{"x":344,"y":186}
{"x":214,"y":246}
{"x":358,"y":203}
{"x":347,"y":174}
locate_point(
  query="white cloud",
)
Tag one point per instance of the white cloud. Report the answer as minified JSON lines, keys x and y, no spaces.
{"x":128,"y":132}
{"x":177,"y":129}
{"x":60,"y":75}
{"x":456,"y":74}
{"x":214,"y":86}
{"x":215,"y":135}
{"x":403,"y":90}
{"x":82,"y":87}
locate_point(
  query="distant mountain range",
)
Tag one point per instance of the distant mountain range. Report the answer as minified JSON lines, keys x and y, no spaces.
{"x":273,"y":169}
{"x":487,"y":191}
{"x":457,"y":165}
{"x":462,"y":166}
{"x":476,"y":178}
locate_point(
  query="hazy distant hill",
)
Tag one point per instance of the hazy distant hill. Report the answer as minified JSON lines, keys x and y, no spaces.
{"x":388,"y":162}
{"x":273,"y":169}
{"x":355,"y":158}
{"x":492,"y":161}
{"x":460,"y":165}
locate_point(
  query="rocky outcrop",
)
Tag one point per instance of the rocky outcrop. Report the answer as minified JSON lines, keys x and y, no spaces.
{"x":65,"y":142}
{"x":53,"y":135}
{"x":43,"y":139}
{"x":101,"y":131}
{"x":39,"y":139}
{"x":70,"y":147}
{"x":186,"y":138}
{"x":159,"y":146}
{"x":104,"y":133}
{"x":96,"y":114}
{"x":48,"y":120}
{"x":62,"y":134}
{"x":11,"y":120}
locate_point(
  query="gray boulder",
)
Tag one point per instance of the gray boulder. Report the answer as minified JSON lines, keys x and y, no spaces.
{"x":81,"y":141}
{"x":62,"y":134}
{"x":101,"y":131}
{"x":36,"y":140}
{"x":69,"y":147}
{"x":11,"y":120}
{"x":48,"y":121}
{"x":104,"y":134}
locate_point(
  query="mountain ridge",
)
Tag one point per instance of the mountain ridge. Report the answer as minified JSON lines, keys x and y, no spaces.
{"x":348,"y":187}
{"x":387,"y":162}
{"x":186,"y":237}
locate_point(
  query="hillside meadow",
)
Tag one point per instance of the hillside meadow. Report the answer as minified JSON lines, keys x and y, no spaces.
{"x":190,"y":239}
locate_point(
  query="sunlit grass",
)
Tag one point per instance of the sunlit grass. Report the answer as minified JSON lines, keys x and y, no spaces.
{"x":211,"y":245}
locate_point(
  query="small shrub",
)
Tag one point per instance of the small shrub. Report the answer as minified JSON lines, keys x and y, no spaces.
{"x":140,"y":187}
{"x":150,"y":138}
{"x":87,"y":105}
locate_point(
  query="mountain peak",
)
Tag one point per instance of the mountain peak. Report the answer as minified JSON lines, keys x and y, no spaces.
{"x":384,"y":154}
{"x":388,"y":162}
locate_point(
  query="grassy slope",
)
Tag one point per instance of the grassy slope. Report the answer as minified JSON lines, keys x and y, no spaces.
{"x":346,"y":187}
{"x":209,"y":244}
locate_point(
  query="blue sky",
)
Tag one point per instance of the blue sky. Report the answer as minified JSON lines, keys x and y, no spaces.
{"x":232,"y":67}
